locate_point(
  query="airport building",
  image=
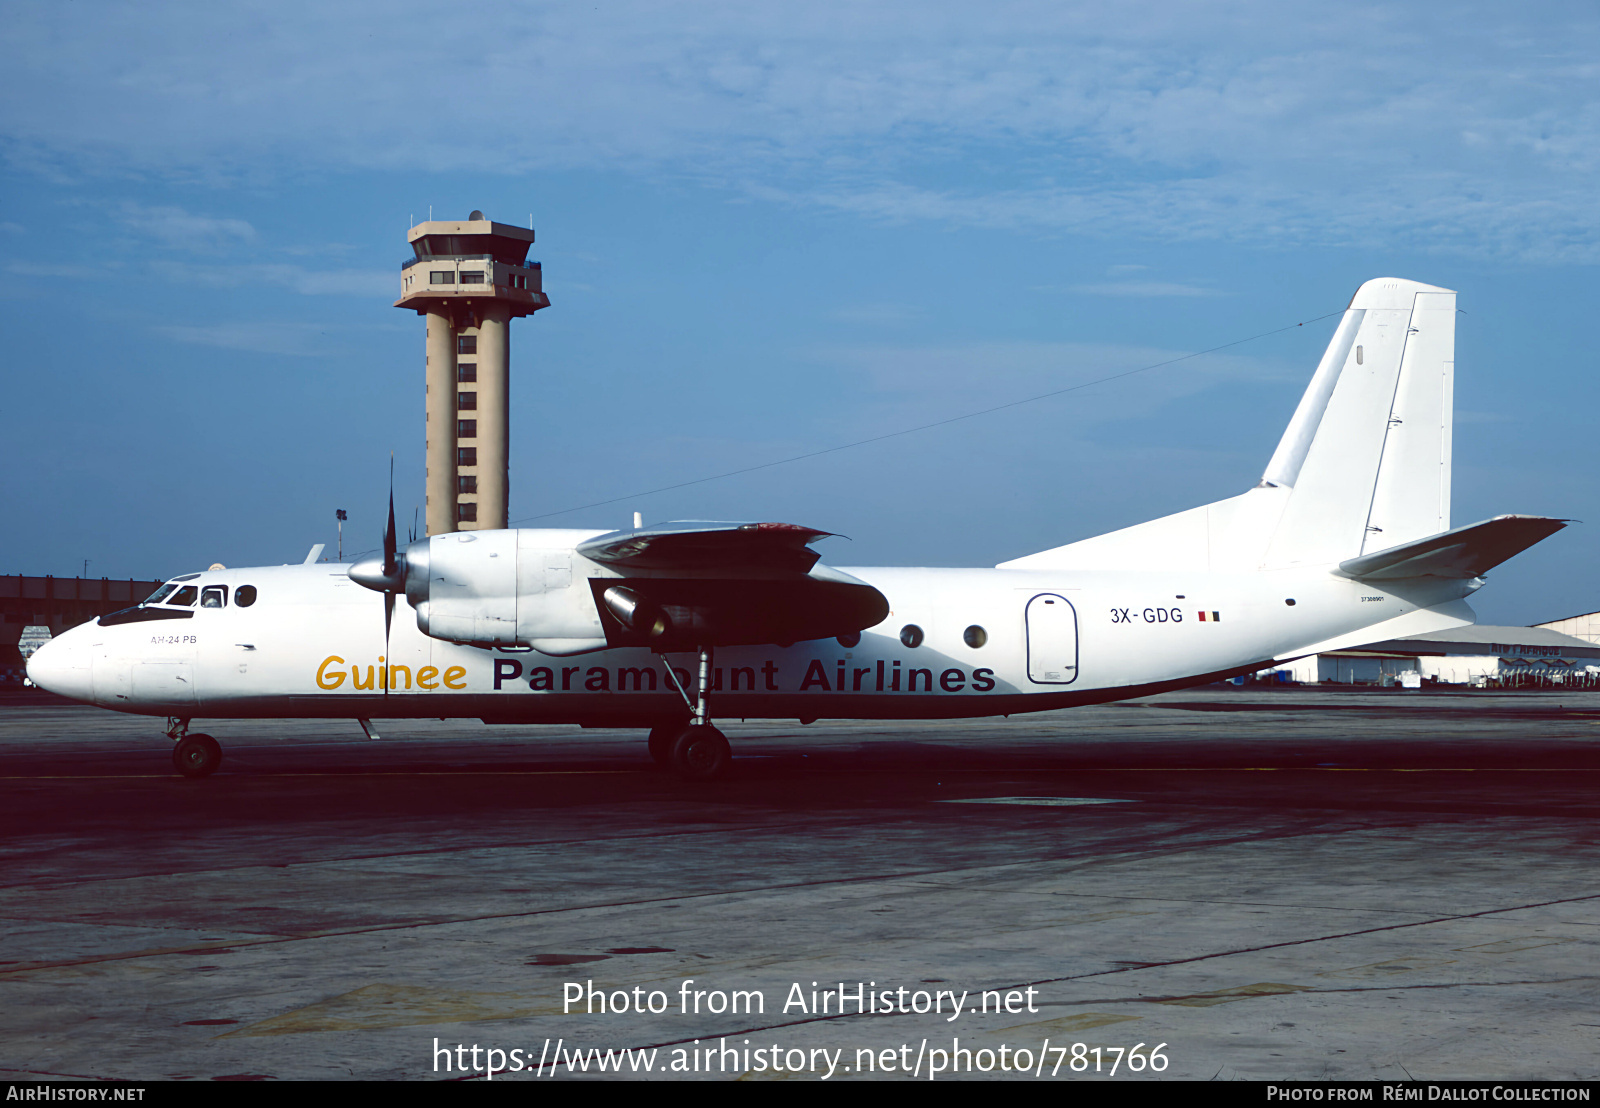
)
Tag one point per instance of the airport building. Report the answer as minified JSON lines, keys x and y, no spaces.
{"x":1479,"y":656}
{"x":469,"y":279}
{"x":34,"y":608}
{"x":1585,"y":626}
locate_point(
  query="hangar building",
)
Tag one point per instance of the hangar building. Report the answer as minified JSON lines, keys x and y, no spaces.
{"x":1480,"y":655}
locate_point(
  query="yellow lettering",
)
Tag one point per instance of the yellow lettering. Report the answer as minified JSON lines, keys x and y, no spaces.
{"x":326,"y":680}
{"x":426,"y":678}
{"x":393,"y":684}
{"x":454,"y":674}
{"x":355,"y":677}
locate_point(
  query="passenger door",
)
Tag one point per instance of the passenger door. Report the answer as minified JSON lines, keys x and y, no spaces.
{"x":1052,"y":640}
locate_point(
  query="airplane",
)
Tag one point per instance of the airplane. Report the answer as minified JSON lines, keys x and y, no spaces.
{"x":1345,"y":539}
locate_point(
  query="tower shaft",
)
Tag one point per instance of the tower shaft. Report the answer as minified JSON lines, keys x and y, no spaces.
{"x":470,"y":280}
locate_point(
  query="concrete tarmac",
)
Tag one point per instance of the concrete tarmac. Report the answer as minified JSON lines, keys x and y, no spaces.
{"x":1265,"y":884}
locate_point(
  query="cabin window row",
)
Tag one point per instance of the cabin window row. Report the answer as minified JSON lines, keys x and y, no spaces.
{"x":911,"y":637}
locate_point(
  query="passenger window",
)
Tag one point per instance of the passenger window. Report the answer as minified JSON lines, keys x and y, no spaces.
{"x":244,"y":596}
{"x":911,"y":635}
{"x":214,"y":596}
{"x":184,"y":595}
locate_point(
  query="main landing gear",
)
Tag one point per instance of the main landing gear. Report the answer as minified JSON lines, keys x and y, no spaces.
{"x":696,"y":751}
{"x":192,"y":755}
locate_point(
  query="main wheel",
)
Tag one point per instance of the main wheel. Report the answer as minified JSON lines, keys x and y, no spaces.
{"x":701,"y":753}
{"x":197,"y":755}
{"x":662,"y":736}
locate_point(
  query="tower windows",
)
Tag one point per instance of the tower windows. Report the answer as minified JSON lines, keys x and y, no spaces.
{"x":442,"y":277}
{"x":472,"y":276}
{"x":466,"y":344}
{"x":467,"y":371}
{"x":466,"y":513}
{"x":466,"y":401}
{"x":466,"y":428}
{"x":466,"y":484}
{"x":466,"y":455}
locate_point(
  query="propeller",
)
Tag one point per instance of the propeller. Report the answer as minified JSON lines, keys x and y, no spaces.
{"x":387,"y":575}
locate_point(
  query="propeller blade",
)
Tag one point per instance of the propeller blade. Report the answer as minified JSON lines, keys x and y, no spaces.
{"x":390,"y":566}
{"x":388,"y":574}
{"x":391,"y":569}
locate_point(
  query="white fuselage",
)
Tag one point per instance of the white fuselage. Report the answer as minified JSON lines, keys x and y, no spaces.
{"x":312,"y":645}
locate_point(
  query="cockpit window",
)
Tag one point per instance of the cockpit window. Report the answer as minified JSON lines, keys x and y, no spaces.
{"x":184,"y":595}
{"x":155,"y":597}
{"x":244,"y":596}
{"x":214,"y":596}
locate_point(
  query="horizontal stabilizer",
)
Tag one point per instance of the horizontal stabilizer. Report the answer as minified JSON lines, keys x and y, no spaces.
{"x":1463,"y":552}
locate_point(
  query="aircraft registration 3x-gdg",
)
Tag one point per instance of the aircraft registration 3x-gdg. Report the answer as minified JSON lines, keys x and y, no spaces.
{"x":652,"y":627}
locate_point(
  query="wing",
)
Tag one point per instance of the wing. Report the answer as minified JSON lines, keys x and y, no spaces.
{"x":700,"y":547}
{"x":692,"y":584}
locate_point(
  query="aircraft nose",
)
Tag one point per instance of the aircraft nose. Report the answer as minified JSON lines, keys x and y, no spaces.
{"x":62,"y":668}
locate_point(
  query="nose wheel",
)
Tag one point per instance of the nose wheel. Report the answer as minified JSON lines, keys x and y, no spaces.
{"x":196,"y":755}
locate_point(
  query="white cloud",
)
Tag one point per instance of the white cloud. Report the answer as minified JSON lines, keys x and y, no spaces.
{"x":1077,"y":382}
{"x":1473,"y":128}
{"x":879,"y":315}
{"x":47,"y":269}
{"x":175,"y":228}
{"x":296,"y":339}
{"x":1143,"y":289}
{"x":309,"y":282}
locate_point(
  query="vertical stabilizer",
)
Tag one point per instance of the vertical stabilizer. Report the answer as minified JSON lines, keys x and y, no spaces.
{"x":1367,"y":454}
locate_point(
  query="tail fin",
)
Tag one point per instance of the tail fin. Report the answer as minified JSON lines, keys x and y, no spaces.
{"x":1367,"y":454}
{"x":1364,"y":464}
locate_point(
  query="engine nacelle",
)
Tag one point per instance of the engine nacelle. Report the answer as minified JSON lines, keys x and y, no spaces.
{"x":678,"y":586}
{"x":505,"y":588}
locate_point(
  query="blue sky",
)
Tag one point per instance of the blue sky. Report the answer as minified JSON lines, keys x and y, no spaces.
{"x":768,"y":230}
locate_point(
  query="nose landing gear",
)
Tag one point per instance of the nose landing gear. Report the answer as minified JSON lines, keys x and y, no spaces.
{"x":194,"y":755}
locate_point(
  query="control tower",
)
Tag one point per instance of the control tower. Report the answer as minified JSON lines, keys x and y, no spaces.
{"x":470,"y":279}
